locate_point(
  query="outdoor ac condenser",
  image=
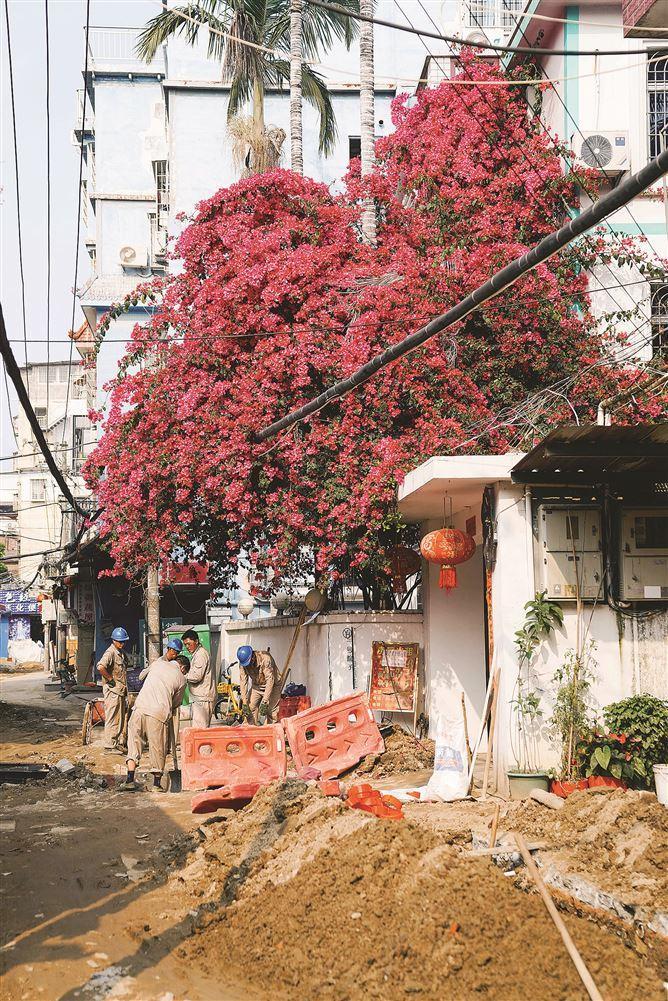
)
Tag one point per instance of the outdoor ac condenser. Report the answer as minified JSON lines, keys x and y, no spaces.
{"x":569,"y":547}
{"x":644,"y":556}
{"x":604,"y":151}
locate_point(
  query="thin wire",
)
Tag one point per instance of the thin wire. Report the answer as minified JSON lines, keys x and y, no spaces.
{"x":356,"y":16}
{"x":78,"y":238}
{"x":18,"y":189}
{"x":48,"y":198}
{"x":599,"y":165}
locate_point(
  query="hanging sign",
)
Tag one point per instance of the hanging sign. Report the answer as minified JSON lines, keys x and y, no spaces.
{"x":394,"y":675}
{"x":18,"y":603}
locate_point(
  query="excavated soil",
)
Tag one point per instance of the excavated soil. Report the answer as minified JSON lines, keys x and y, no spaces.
{"x":322,"y":901}
{"x":617,"y":840}
{"x":403,"y":753}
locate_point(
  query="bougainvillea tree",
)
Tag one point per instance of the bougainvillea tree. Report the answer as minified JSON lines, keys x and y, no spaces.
{"x":278,"y":297}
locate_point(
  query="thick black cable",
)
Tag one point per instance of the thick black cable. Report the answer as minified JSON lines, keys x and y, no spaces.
{"x":516,"y":144}
{"x":476,"y":45}
{"x":14,"y":374}
{"x":599,"y":165}
{"x":48,"y":198}
{"x":501,"y":280}
{"x":10,"y":67}
{"x":76,"y":248}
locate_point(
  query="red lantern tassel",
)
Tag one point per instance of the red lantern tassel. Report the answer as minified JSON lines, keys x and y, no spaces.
{"x":448,"y":577}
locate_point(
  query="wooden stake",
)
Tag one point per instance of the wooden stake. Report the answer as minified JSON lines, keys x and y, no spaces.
{"x":495,"y":825}
{"x":293,"y":644}
{"x":490,"y":742}
{"x":483,"y":724}
{"x":466,"y":730}
{"x":571,"y":948}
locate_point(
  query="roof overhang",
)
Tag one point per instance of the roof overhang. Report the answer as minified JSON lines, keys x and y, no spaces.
{"x":593,"y":454}
{"x":459,"y":478}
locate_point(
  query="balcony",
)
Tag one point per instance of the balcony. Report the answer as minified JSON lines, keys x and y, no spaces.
{"x":113,"y":50}
{"x":483,"y":14}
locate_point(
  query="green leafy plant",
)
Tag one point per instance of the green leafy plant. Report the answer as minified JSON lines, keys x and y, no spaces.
{"x":643,"y":718}
{"x":542,"y":616}
{"x":614,"y":755}
{"x":571,"y":716}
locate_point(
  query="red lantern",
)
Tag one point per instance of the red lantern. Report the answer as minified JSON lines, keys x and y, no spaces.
{"x":448,"y":546}
{"x":404,"y":562}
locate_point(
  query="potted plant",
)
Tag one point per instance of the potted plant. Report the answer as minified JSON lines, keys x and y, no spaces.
{"x":571,"y":714}
{"x":542,"y":616}
{"x":646,"y":718}
{"x":613,"y":760}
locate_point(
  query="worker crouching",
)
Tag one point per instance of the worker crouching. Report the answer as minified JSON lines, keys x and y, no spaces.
{"x":260,"y":685}
{"x":161,"y":694}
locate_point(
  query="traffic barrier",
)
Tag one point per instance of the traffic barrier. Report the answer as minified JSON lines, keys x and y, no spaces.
{"x":290,"y":705}
{"x":333,"y":737}
{"x":222,"y":799}
{"x":238,"y":759}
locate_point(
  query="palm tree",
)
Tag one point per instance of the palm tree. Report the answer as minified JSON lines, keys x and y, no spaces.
{"x":367,"y":116}
{"x":296,"y":58}
{"x":251,"y":39}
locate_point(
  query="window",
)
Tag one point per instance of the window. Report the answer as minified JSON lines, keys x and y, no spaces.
{"x":161,"y":172}
{"x":80,"y":425}
{"x":657,"y":100}
{"x":41,"y":415}
{"x":659,"y":319}
{"x":38,"y":491}
{"x":491,"y":13}
{"x":354,"y":148}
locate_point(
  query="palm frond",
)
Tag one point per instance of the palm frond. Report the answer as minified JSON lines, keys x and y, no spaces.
{"x":320,"y":28}
{"x":186,"y":21}
{"x":314,"y":90}
{"x":241,"y":89}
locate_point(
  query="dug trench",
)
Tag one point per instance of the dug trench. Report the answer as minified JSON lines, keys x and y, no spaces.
{"x":298,"y":896}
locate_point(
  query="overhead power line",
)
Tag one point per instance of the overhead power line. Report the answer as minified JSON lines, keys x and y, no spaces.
{"x":78,"y":238}
{"x":454,"y":40}
{"x":14,"y":374}
{"x":10,"y":68}
{"x":503,"y":279}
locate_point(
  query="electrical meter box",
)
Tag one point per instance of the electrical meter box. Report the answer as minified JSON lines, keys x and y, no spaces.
{"x":644,"y":555}
{"x":569,"y":552}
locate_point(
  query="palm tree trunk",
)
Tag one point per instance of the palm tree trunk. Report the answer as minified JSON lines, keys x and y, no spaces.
{"x":367,"y":117}
{"x":296,"y":134}
{"x":258,"y":106}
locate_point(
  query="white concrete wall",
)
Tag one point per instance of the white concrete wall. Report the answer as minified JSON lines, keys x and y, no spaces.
{"x":324,"y":653}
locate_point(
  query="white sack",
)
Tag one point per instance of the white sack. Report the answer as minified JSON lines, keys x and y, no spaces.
{"x":23,"y":651}
{"x":449,"y":780}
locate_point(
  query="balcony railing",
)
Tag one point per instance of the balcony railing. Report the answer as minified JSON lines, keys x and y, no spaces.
{"x":114,"y":49}
{"x":491,"y":13}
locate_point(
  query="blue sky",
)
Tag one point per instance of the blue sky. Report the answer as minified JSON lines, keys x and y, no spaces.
{"x":67,"y":19}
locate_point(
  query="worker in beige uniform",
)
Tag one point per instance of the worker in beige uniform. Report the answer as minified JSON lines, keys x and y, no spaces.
{"x":260,"y":685}
{"x":201,"y":680}
{"x":161,"y":693}
{"x":113,"y":666}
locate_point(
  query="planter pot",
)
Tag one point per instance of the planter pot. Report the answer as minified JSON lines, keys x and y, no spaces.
{"x":661,"y":782}
{"x":521,"y":783}
{"x":606,"y":782}
{"x":565,"y":788}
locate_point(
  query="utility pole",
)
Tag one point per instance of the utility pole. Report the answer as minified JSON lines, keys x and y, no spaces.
{"x":153,"y":636}
{"x":296,"y":57}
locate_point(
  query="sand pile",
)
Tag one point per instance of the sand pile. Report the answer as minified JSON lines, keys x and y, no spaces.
{"x":318,"y":900}
{"x":617,"y":840}
{"x":403,"y":753}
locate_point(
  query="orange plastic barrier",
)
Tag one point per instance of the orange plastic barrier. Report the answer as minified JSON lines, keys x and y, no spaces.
{"x":220,"y":799}
{"x":331,"y":738}
{"x":363,"y":797}
{"x":235,"y":760}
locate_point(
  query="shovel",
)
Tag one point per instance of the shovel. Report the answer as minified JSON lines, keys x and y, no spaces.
{"x":174,"y":775}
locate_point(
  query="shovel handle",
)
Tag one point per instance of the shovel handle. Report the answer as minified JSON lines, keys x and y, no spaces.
{"x":172,"y":740}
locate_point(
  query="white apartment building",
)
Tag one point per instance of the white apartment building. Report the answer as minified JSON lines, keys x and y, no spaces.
{"x":41,"y":515}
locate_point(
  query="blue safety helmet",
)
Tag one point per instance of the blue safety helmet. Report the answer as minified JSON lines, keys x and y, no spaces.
{"x":245,"y":655}
{"x":175,"y":644}
{"x":120,"y":634}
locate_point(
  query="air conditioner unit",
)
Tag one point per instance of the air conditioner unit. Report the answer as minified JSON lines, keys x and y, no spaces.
{"x":605,"y":151}
{"x":133,"y":256}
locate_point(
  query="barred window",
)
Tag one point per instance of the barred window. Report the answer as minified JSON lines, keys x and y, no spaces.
{"x":657,"y":100}
{"x":491,"y":13}
{"x":659,"y":318}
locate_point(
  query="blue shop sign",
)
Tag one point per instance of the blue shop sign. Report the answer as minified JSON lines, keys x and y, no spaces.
{"x":16,"y":603}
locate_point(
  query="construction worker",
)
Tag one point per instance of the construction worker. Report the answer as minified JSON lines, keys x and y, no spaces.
{"x":201,"y":680}
{"x":161,"y":693}
{"x":260,"y":687}
{"x":113,"y":666}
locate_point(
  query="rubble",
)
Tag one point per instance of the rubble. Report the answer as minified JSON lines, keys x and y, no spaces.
{"x":403,"y":753}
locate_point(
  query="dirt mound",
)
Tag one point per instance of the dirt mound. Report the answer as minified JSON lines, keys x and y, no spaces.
{"x":403,"y":753}
{"x":617,"y":840}
{"x":389,"y":911}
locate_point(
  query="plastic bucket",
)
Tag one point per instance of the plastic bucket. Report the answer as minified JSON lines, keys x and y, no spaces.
{"x":661,"y":781}
{"x":522,"y":783}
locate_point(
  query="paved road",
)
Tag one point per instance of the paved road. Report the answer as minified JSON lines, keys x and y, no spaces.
{"x":28,"y":690}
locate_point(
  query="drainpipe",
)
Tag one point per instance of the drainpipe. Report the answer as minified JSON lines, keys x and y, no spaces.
{"x":529,"y":543}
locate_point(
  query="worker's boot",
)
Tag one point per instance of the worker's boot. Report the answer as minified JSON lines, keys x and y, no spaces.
{"x":158,"y":784}
{"x":128,"y":786}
